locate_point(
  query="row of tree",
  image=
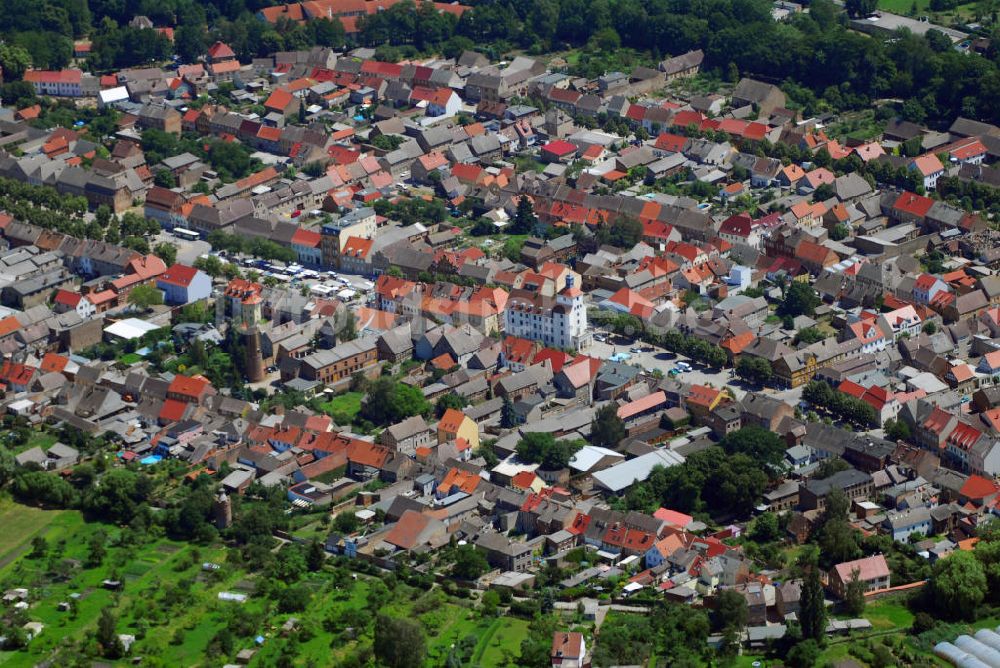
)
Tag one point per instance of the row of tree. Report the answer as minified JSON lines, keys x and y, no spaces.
{"x":843,"y":406}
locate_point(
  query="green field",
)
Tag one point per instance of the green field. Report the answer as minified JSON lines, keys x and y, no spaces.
{"x":343,"y":407}
{"x":20,"y":524}
{"x":903,"y":7}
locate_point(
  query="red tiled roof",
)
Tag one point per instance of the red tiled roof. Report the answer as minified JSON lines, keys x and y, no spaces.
{"x":306,"y":238}
{"x":451,"y":420}
{"x":72,"y":76}
{"x":220,"y":50}
{"x":180,"y":275}
{"x":172,"y":411}
{"x":53,"y":363}
{"x":978,"y":487}
{"x":188,"y":386}
{"x":407,"y":530}
{"x":913,"y":204}
{"x":279,"y":100}
{"x":559,"y":147}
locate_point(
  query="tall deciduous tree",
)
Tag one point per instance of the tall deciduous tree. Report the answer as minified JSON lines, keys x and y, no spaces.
{"x":958,"y":585}
{"x":855,"y":595}
{"x":608,"y":430}
{"x":399,"y":643}
{"x":812,"y":606}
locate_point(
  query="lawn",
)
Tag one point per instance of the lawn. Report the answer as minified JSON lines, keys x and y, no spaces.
{"x":41,"y":439}
{"x":903,"y":7}
{"x":130,"y":358}
{"x":343,"y":408}
{"x":20,"y":524}
{"x":888,"y":613}
{"x":502,"y":644}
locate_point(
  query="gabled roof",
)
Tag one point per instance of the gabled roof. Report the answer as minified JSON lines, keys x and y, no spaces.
{"x":180,"y":275}
{"x":220,"y":50}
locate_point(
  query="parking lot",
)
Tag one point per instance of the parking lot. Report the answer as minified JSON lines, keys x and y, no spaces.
{"x":655,"y":358}
{"x":187,"y":251}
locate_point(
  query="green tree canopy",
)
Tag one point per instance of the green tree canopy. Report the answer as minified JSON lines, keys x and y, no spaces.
{"x":958,"y":585}
{"x":800,"y":299}
{"x":390,"y":401}
{"x":543,"y":448}
{"x":607,"y":430}
{"x":144,"y":296}
{"x":399,"y":642}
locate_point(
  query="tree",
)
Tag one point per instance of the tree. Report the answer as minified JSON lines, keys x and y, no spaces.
{"x":761,"y":445}
{"x":489,"y":602}
{"x":524,"y":221}
{"x":118,"y":495}
{"x":399,"y":643}
{"x":19,"y":94}
{"x":607,"y":430}
{"x":508,"y":416}
{"x":8,"y":466}
{"x":544,"y":449}
{"x":449,"y":400}
{"x":958,"y":585}
{"x":230,"y":159}
{"x":804,"y":654}
{"x":40,"y":487}
{"x":469,"y":563}
{"x":346,"y":522}
{"x":765,"y":528}
{"x":800,"y":299}
{"x":348,"y":330}
{"x":809,"y":335}
{"x":190,"y":42}
{"x":107,"y":635}
{"x":293,"y":599}
{"x":812,"y":606}
{"x":167,"y":252}
{"x":389,"y":402}
{"x":625,"y":232}
{"x":14,"y":60}
{"x":145,"y":296}
{"x":854,"y":598}
{"x":165,"y":179}
{"x":731,"y":612}
{"x":897,"y":430}
{"x":754,"y":370}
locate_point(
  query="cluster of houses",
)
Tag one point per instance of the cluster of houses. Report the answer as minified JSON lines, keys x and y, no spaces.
{"x":907,"y":321}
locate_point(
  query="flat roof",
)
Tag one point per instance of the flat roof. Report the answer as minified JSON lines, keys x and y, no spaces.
{"x":130,"y":328}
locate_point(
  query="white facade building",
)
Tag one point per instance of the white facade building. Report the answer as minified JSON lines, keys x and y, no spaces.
{"x":560,"y":322}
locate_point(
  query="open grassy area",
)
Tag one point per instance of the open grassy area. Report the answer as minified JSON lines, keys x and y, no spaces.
{"x":343,"y":407}
{"x":903,"y":7}
{"x":130,"y":358}
{"x":889,"y":613}
{"x":170,"y":603}
{"x":504,"y":643}
{"x":20,"y":524}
